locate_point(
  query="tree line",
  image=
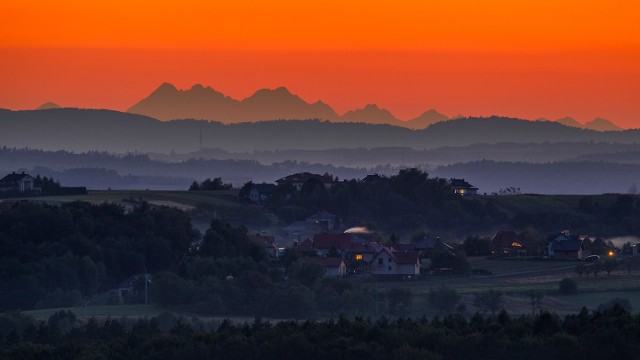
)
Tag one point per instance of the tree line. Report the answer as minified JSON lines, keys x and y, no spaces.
{"x":606,"y":333}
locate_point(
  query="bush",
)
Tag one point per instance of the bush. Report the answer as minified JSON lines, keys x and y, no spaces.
{"x":568,"y":287}
{"x":621,"y":302}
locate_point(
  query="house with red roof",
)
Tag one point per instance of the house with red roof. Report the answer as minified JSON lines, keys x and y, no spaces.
{"x":396,"y":263}
{"x":343,"y":243}
{"x":305,"y":247}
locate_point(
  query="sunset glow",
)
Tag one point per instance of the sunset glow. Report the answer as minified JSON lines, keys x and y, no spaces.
{"x":527,"y":59}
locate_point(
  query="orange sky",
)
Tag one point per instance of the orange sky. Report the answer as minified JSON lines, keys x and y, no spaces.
{"x":517,"y":58}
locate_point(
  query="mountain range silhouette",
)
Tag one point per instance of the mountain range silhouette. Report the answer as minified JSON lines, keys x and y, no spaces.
{"x":205,"y":103}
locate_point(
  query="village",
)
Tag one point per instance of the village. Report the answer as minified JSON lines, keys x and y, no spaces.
{"x":322,"y":239}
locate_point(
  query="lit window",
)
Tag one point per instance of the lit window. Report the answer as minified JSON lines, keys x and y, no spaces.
{"x":358,"y":257}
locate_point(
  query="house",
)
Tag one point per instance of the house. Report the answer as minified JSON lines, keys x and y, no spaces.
{"x":325,"y":220}
{"x":564,"y":246}
{"x":297,"y":180}
{"x":507,"y":243}
{"x":403,"y":247}
{"x":364,"y":252}
{"x":261,"y":192}
{"x":299,"y":230}
{"x":460,"y":186}
{"x":305,"y":247}
{"x":396,"y":264}
{"x":126,"y":290}
{"x":371,"y":179}
{"x":342,"y":243}
{"x":334,"y":266}
{"x":429,"y":243}
{"x":18,"y":183}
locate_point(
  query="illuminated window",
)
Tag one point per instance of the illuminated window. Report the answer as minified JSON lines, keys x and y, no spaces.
{"x":358,"y":257}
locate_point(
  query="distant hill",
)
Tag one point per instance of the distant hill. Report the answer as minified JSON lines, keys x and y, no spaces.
{"x":600,"y":124}
{"x":85,"y":130}
{"x":572,"y":178}
{"x":569,"y":121}
{"x":371,"y":114}
{"x":427,"y":118}
{"x":597,"y":124}
{"x":47,"y":106}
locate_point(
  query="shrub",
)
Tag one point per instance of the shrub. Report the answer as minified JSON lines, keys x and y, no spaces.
{"x":568,"y":287}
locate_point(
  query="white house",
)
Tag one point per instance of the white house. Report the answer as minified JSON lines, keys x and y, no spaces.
{"x":389,"y":262}
{"x":17,"y":183}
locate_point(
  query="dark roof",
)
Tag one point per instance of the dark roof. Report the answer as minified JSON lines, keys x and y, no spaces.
{"x":563,"y":237}
{"x":460,"y":184}
{"x":430,"y":242}
{"x":321,"y":215}
{"x":303,"y":177}
{"x":305,"y":246}
{"x":265,"y":188}
{"x":325,"y":261}
{"x":371,"y":179}
{"x":406,"y":257}
{"x":13,"y":178}
{"x":402,"y":257}
{"x":340,"y":241}
{"x":366,"y":248}
{"x":399,"y":247}
{"x":266,"y":240}
{"x":506,"y":239}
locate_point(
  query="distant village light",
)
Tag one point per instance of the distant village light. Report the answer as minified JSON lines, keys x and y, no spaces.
{"x":610,"y":252}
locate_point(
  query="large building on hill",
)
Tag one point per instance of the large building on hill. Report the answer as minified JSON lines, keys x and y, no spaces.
{"x":297,"y":180}
{"x":18,"y":183}
{"x":460,"y":186}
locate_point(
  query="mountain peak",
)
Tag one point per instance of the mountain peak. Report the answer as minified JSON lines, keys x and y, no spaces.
{"x":569,"y":121}
{"x":48,"y":105}
{"x":371,"y":113}
{"x":600,"y":124}
{"x":165,"y":88}
{"x":426,"y":119}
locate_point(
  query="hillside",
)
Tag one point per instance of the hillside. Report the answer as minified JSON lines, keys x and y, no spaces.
{"x":105,"y":130}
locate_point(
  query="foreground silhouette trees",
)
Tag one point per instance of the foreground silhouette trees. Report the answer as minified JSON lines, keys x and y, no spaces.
{"x":603,"y":334}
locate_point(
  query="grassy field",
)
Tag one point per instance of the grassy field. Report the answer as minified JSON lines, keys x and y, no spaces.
{"x":176,"y":198}
{"x":516,"y":277}
{"x":102,"y":311}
